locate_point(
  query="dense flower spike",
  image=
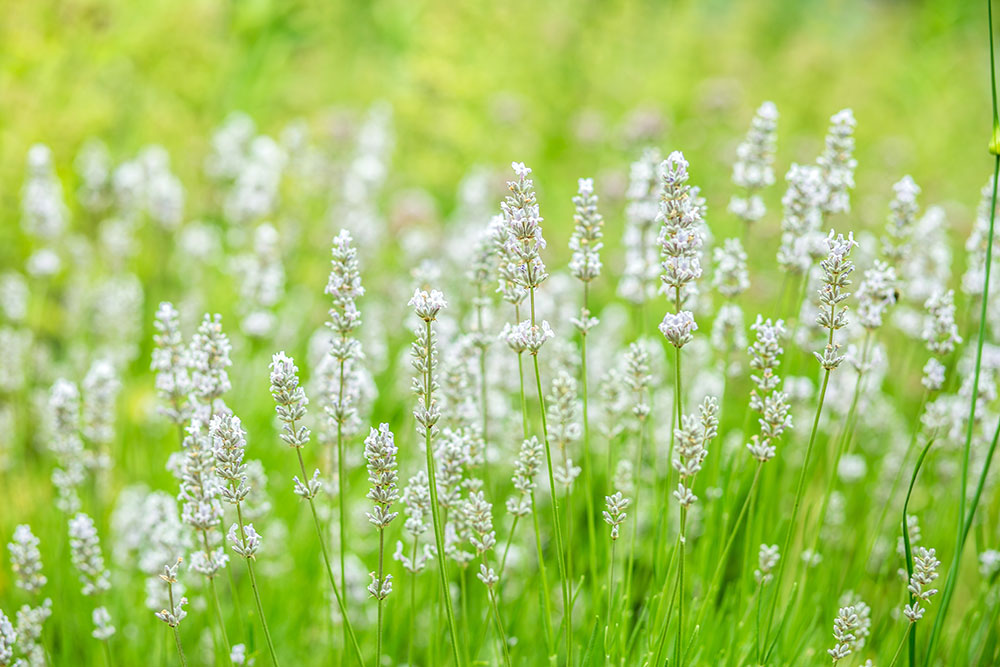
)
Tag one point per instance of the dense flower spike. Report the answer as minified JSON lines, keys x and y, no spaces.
{"x":638,"y":280}
{"x":802,"y":218}
{"x":876,"y":293}
{"x":173,"y":616}
{"x":380,"y":452}
{"x":837,"y":268}
{"x":26,"y":560}
{"x":903,"y":212}
{"x":844,"y":626}
{"x":681,"y":218}
{"x":529,"y":461}
{"x":8,"y":638}
{"x":693,"y":436}
{"x":229,"y":443}
{"x":678,"y":327}
{"x":925,"y":571}
{"x":208,"y":359}
{"x":614,"y":513}
{"x":753,"y":169}
{"x":767,"y":559}
{"x":730,"y":277}
{"x":85,"y":551}
{"x":585,"y":242}
{"x":837,"y":163}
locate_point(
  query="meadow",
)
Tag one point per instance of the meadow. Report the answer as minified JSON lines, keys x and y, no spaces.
{"x":572,"y":333}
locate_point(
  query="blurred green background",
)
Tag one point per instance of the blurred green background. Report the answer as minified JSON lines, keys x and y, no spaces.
{"x":565,"y":86}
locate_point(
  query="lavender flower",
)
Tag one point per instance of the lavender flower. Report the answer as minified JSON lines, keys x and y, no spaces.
{"x":173,"y":616}
{"x":925,"y":567}
{"x":767,"y":559}
{"x":208,"y":358}
{"x":614,"y":514}
{"x":903,"y":212}
{"x":638,"y":281}
{"x":523,"y":226}
{"x":85,"y":552}
{"x":731,"y":277}
{"x":844,"y":625}
{"x":170,"y":362}
{"x":837,"y":162}
{"x":26,"y":560}
{"x":802,"y":217}
{"x":678,"y":327}
{"x":837,"y":267}
{"x":680,"y":219}
{"x":753,"y":167}
{"x":585,"y":241}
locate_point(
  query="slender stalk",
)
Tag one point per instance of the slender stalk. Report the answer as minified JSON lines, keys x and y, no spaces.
{"x":907,"y":546}
{"x":381,"y":570}
{"x":510,"y":538}
{"x":561,"y":554}
{"x":611,"y":588}
{"x":107,"y":652}
{"x":717,"y":574}
{"x":902,"y":641}
{"x":341,"y":481}
{"x":994,"y":147}
{"x":800,"y":486}
{"x":215,"y":600}
{"x":326,"y":561}
{"x":413,"y":606}
{"x":587,"y":472}
{"x":256,"y":593}
{"x":680,"y":590}
{"x":483,"y":403}
{"x":435,"y":513}
{"x":546,"y":599}
{"x":499,"y":623}
{"x":177,"y":634}
{"x":630,"y":563}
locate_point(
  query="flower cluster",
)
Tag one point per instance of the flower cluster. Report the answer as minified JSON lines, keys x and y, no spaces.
{"x":837,"y":267}
{"x":765,"y":398}
{"x":380,"y":453}
{"x":173,"y":616}
{"x":731,"y":277}
{"x":229,"y":445}
{"x":844,"y":625}
{"x":85,"y":551}
{"x":802,"y":218}
{"x":681,"y":219}
{"x":693,"y":437}
{"x":876,"y":293}
{"x":925,"y":566}
{"x":902,"y":219}
{"x":529,"y":460}
{"x":638,"y":281}
{"x":344,"y":288}
{"x":208,"y":359}
{"x":767,"y":559}
{"x":678,"y":327}
{"x":753,"y":168}
{"x":523,"y":242}
{"x":585,"y":242}
{"x":614,"y":513}
{"x":837,"y":162}
{"x":26,"y":560}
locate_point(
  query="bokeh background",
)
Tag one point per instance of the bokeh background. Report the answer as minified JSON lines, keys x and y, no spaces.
{"x":571,"y":87}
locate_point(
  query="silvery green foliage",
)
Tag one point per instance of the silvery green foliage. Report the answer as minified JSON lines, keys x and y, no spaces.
{"x":925,"y":567}
{"x":731,"y":277}
{"x":30,"y":622}
{"x":802,"y":218}
{"x":8,"y":638}
{"x":678,"y":327}
{"x":585,"y":242}
{"x":563,"y":424}
{"x":172,"y":617}
{"x":681,"y":220}
{"x":170,"y":363}
{"x":876,"y":293}
{"x":940,"y":332}
{"x":903,"y":210}
{"x":844,"y":626}
{"x":229,"y":444}
{"x":26,"y":560}
{"x":693,"y":436}
{"x":837,"y":162}
{"x":43,"y":211}
{"x":290,"y":400}
{"x":100,"y":393}
{"x":523,"y":242}
{"x":526,"y":467}
{"x":380,"y":453}
{"x":247,"y":544}
{"x":208,"y":359}
{"x":767,"y":560}
{"x":262,"y":282}
{"x":85,"y":552}
{"x":614,"y":512}
{"x":641,"y":267}
{"x":837,"y":268}
{"x":753,"y":169}
{"x":103,"y":629}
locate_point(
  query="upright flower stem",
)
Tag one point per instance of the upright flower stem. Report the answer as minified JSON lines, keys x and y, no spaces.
{"x":341,"y":482}
{"x":588,"y":474}
{"x":329,"y":570}
{"x":499,"y":623}
{"x":611,"y":588}
{"x":256,"y":593}
{"x":799,"y":488}
{"x":561,"y":554}
{"x":215,"y":599}
{"x":381,"y":571}
{"x":483,"y":403}
{"x":177,"y":634}
{"x":908,"y":547}
{"x":435,"y":512}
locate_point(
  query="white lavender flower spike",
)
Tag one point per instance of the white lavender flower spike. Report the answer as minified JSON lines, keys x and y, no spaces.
{"x":753,"y":169}
{"x":85,"y":552}
{"x":26,"y":560}
{"x":678,"y":327}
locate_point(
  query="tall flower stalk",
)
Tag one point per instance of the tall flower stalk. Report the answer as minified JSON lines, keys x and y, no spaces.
{"x":230,"y":445}
{"x":424,"y":351}
{"x":585,"y":266}
{"x":175,"y":614}
{"x":523,"y":245}
{"x":290,"y":405}
{"x":344,"y":288}
{"x":837,"y":268}
{"x":614,"y":515}
{"x":380,"y":452}
{"x":960,"y":533}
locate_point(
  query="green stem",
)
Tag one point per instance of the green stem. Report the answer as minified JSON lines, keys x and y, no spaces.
{"x":215,"y":600}
{"x":256,"y":593}
{"x":546,"y":599}
{"x":953,"y":570}
{"x":611,"y":586}
{"x":588,"y":473}
{"x":378,"y":636}
{"x":435,"y":513}
{"x":899,"y":649}
{"x":496,"y":617}
{"x":907,"y":547}
{"x":107,"y":652}
{"x":341,"y":481}
{"x":177,"y":634}
{"x":561,"y":554}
